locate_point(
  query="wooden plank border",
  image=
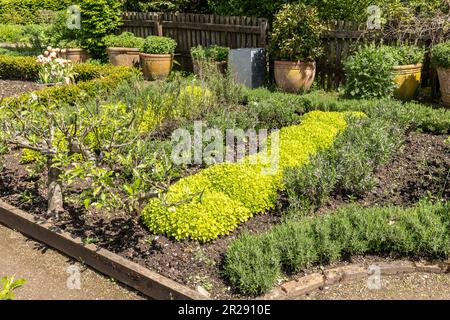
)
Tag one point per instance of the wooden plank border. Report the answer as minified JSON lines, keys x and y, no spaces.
{"x":145,"y":281}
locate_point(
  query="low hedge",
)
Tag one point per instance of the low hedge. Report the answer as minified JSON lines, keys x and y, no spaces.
{"x":18,"y":68}
{"x":216,"y":200}
{"x":253,"y":263}
{"x":108,"y":78}
{"x":412,"y":115}
{"x":26,"y":68}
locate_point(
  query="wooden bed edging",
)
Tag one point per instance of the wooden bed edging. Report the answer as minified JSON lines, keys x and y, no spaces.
{"x":145,"y":281}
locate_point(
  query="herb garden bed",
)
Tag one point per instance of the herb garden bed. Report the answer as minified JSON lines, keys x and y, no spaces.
{"x":401,"y":182}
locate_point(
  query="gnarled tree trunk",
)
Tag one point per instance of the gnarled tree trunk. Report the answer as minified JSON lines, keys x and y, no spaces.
{"x":54,"y":190}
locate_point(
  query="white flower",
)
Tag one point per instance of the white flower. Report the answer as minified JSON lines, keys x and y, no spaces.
{"x":46,"y":53}
{"x":49,"y":48}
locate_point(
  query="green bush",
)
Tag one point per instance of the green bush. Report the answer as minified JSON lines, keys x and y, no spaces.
{"x":418,"y":232}
{"x":99,"y":18}
{"x":158,"y":45}
{"x":410,"y":115}
{"x":217,"y":199}
{"x":211,"y":53}
{"x":258,"y":277}
{"x":28,"y":11}
{"x":18,"y":68}
{"x":296,"y":34}
{"x":370,"y":73}
{"x":69,"y":94}
{"x":408,"y":54}
{"x":124,"y":40}
{"x":440,"y":55}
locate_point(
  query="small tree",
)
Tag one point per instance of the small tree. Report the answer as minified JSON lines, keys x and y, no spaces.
{"x":98,"y":144}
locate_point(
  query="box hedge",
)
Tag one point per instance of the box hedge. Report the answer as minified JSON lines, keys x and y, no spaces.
{"x":216,"y":200}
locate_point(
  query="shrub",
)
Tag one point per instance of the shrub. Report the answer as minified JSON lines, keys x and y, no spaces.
{"x":216,"y":200}
{"x":18,"y":68}
{"x":124,"y":40}
{"x":407,"y":54}
{"x":257,"y":277}
{"x":419,"y":232}
{"x":211,"y":53}
{"x":347,"y":167}
{"x":26,"y":12}
{"x":99,"y":18}
{"x":440,"y":55}
{"x":370,"y":73}
{"x":296,"y":34}
{"x":158,"y":45}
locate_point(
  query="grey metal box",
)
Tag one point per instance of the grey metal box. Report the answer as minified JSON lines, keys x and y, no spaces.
{"x":248,"y":65}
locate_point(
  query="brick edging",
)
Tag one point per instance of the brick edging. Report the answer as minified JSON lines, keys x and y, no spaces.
{"x":130,"y":273}
{"x":314,"y":281}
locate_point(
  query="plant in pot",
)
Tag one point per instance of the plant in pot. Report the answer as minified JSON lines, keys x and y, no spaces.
{"x":369,"y":72}
{"x":295,"y":44}
{"x":123,"y":49}
{"x":157,"y":57}
{"x":440,"y":58}
{"x":73,"y":51}
{"x":215,"y":55}
{"x":407,"y":70}
{"x":53,"y":69}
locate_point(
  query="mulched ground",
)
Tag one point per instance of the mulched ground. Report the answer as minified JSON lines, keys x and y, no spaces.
{"x":10,"y":88}
{"x":420,"y":168}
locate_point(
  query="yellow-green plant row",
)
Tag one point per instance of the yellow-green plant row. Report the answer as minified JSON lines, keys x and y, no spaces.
{"x":217,"y":199}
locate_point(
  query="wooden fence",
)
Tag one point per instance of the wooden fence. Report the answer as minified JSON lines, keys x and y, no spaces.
{"x":190,"y":30}
{"x":339,"y":39}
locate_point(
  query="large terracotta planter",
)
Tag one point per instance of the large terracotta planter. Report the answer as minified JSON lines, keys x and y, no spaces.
{"x":76,"y":55}
{"x":444,"y":82}
{"x":220,"y":65}
{"x":407,"y":79}
{"x":156,"y":66}
{"x":294,"y":76}
{"x":128,"y":57}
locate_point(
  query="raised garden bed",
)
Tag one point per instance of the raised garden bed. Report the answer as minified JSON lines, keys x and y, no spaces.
{"x":189,"y":263}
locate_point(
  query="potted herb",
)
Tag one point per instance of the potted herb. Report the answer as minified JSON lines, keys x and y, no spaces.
{"x":407,"y":70}
{"x":53,"y":69}
{"x":440,"y":58}
{"x":295,"y":44}
{"x":123,"y":49}
{"x":215,"y":55}
{"x":157,"y":57}
{"x":73,"y":51}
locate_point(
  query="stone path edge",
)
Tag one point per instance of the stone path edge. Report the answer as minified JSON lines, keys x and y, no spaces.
{"x":129,"y":273}
{"x":299,"y":287}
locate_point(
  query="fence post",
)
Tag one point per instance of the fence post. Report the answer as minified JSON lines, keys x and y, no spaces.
{"x":159,"y":25}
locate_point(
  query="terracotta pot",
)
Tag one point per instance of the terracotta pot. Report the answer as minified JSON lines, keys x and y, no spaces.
{"x":76,"y":55}
{"x":294,"y":76}
{"x":221,"y":66}
{"x":407,"y":79}
{"x":444,"y":82}
{"x":156,"y":66}
{"x":128,"y":57}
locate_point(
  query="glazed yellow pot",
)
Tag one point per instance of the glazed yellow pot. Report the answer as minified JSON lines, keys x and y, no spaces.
{"x":407,"y":79}
{"x":444,"y":83}
{"x":156,"y":66}
{"x":128,"y":57}
{"x":294,"y":76}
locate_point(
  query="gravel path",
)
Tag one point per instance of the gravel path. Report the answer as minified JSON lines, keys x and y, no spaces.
{"x":48,"y":273}
{"x":415,"y":286}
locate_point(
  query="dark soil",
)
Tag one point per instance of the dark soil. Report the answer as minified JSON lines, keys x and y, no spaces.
{"x":10,"y":88}
{"x":419,"y":169}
